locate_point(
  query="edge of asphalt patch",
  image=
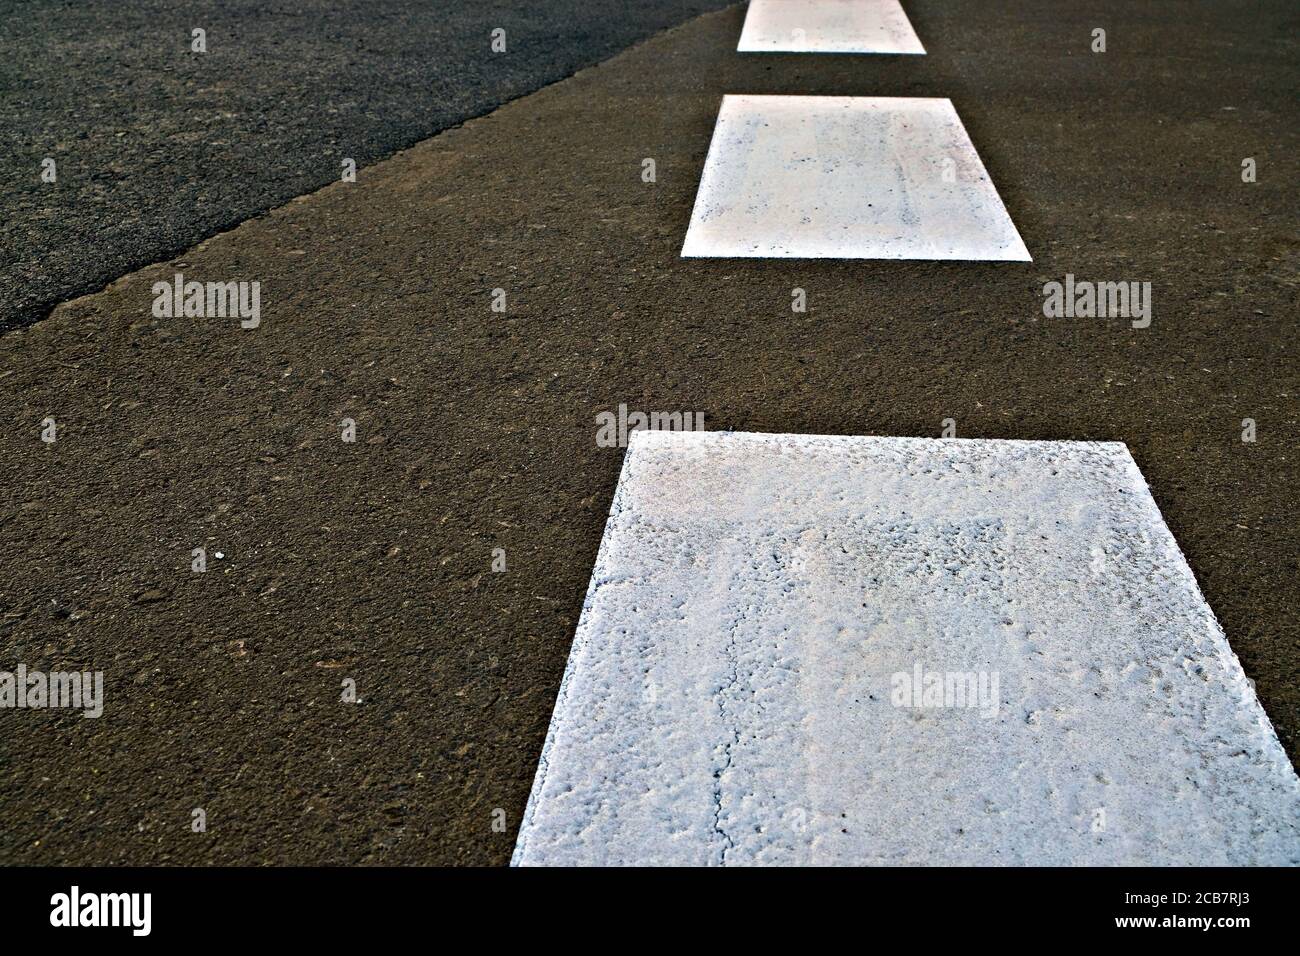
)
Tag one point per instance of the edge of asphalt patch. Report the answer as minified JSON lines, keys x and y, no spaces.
{"x":368,"y":149}
{"x":851,"y":650}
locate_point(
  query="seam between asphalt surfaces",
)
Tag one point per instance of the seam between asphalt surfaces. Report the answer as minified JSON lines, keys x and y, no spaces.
{"x":179,"y":251}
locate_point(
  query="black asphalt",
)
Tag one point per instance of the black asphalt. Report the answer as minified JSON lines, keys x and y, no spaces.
{"x":157,"y":147}
{"x":371,"y":561}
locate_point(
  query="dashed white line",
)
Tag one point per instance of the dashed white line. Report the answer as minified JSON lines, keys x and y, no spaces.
{"x":847,"y":178}
{"x":827,"y":26}
{"x":828,"y":650}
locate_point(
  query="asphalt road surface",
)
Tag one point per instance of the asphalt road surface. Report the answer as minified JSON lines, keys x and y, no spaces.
{"x":371,"y":561}
{"x":157,"y":146}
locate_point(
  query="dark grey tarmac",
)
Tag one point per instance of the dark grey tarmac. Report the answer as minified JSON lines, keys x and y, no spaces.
{"x":371,"y":561}
{"x":157,"y":147}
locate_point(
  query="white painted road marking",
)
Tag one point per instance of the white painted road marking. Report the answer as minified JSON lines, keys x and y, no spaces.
{"x":761,"y":603}
{"x":846,"y":177}
{"x":827,"y":26}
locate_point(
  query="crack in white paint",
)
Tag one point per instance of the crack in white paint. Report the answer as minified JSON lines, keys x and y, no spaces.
{"x":728,"y":697}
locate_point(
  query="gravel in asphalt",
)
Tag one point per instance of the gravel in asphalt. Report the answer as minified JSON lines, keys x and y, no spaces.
{"x":157,"y":147}
{"x":371,"y":561}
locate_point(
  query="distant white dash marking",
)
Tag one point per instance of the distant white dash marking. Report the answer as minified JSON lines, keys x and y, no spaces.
{"x":734,"y":693}
{"x":846,"y":177}
{"x":827,"y":26}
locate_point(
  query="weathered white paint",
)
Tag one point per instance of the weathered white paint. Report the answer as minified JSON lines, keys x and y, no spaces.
{"x":846,"y":177}
{"x":731,"y":694}
{"x":827,"y":26}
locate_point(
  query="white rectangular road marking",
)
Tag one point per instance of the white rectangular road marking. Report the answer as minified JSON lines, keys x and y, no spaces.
{"x":827,"y":26}
{"x":808,"y":650}
{"x":846,"y":177}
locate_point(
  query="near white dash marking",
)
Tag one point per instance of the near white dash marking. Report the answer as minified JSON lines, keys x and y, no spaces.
{"x":841,"y":650}
{"x":827,"y":26}
{"x":847,"y":177}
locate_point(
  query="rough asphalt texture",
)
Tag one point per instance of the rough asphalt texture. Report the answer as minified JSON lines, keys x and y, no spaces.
{"x":158,"y":147}
{"x":476,"y":430}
